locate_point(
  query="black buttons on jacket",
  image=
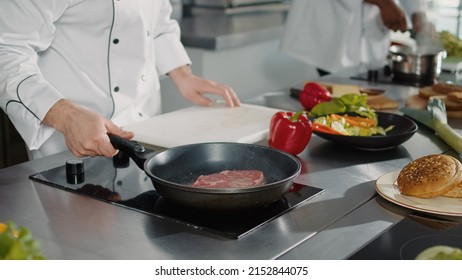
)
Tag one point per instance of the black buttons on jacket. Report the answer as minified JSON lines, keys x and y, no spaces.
{"x":116,"y":41}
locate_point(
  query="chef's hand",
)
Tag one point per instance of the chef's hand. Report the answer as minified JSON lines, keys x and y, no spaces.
{"x":194,"y":87}
{"x":393,"y":17}
{"x":85,"y":132}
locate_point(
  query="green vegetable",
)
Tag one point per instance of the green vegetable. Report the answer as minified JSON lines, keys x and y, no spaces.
{"x":352,"y":126}
{"x":451,"y":44}
{"x":440,"y":252}
{"x":348,"y":103}
{"x":18,"y":244}
{"x":330,"y":107}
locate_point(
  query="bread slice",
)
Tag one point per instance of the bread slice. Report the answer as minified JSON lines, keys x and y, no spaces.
{"x":430,"y":176}
{"x":454,"y":114}
{"x":381,"y":102}
{"x":427,"y":92}
{"x":446,"y":88}
{"x":455,"y":96}
{"x":416,"y":102}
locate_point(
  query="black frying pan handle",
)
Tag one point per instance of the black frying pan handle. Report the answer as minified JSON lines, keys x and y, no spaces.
{"x":133,"y":149}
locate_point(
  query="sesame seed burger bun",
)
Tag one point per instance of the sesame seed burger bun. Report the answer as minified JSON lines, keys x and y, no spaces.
{"x":430,"y":176}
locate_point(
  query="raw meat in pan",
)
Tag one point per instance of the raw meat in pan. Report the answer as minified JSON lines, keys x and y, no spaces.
{"x":231,"y":179}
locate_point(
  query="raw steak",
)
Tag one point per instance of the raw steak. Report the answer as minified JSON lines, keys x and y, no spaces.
{"x":231,"y":179}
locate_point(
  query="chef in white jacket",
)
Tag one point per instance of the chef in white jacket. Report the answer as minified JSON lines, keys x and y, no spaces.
{"x":73,"y":71}
{"x":348,"y":36}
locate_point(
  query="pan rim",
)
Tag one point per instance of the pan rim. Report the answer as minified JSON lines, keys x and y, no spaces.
{"x":224,"y":191}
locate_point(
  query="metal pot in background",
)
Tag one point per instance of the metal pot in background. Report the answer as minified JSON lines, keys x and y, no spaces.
{"x":415,"y":63}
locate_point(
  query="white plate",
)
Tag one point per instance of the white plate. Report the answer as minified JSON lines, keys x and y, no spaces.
{"x":386,"y":187}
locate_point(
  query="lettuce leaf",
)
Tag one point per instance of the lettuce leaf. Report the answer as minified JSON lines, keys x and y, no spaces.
{"x":18,"y":244}
{"x":348,"y":103}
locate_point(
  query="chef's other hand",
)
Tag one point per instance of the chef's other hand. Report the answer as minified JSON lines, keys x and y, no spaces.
{"x":194,"y":87}
{"x":393,"y":17}
{"x":85,"y":132}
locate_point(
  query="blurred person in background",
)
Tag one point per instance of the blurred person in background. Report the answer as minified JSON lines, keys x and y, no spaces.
{"x":350,"y":36}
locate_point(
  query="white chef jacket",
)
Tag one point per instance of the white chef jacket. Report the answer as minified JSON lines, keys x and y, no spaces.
{"x":340,"y":36}
{"x":106,"y":55}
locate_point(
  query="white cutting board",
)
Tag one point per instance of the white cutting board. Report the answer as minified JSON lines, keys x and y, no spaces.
{"x":244,"y":124}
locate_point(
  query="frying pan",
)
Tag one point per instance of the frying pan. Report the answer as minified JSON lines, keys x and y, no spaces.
{"x":173,"y":171}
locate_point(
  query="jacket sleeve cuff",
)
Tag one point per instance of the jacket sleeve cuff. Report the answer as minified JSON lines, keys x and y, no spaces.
{"x":28,"y":126}
{"x":37,"y":96}
{"x":34,"y":98}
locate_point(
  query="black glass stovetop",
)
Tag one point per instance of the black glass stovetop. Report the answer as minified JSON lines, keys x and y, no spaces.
{"x":128,"y":186}
{"x":406,"y":239}
{"x":384,"y":76}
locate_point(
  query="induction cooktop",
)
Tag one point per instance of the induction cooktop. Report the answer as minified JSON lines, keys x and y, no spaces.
{"x":406,"y":239}
{"x":123,"y":184}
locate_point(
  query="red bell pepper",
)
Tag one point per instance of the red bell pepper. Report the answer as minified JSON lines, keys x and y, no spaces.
{"x":313,"y":94}
{"x":289,"y":132}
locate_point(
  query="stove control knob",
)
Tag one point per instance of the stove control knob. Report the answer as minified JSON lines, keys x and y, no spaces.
{"x":387,"y":71}
{"x":75,"y":173}
{"x":121,"y":160}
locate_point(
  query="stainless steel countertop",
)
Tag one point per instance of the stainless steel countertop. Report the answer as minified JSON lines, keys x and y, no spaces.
{"x":71,"y":226}
{"x":219,"y":32}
